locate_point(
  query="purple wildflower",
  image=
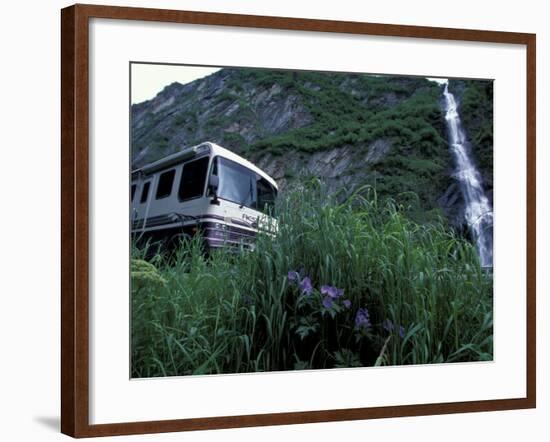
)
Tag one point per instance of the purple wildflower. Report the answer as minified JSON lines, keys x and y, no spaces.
{"x":305,"y":286}
{"x":327,"y":302}
{"x":362,"y":319}
{"x":401,"y":331}
{"x":293,"y":276}
{"x":387,"y":325}
{"x":347,"y":303}
{"x":333,"y":292}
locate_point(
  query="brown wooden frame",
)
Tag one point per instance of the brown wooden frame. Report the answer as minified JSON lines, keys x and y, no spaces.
{"x":74,"y":219}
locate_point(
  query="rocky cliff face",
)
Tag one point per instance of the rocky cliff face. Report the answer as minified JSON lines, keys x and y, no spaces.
{"x":218,"y":108}
{"x":347,"y":129}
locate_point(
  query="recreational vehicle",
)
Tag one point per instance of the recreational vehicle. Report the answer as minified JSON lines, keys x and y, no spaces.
{"x":203,"y":190}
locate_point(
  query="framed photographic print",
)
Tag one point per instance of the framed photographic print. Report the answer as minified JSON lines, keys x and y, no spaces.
{"x":273,"y":220}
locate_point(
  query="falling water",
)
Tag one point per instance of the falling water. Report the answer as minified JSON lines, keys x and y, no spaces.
{"x":478,"y":213}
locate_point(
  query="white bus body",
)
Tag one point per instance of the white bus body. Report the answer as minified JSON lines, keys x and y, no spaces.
{"x":206,"y":190}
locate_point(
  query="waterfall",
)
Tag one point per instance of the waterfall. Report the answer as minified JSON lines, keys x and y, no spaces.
{"x":478,"y":213}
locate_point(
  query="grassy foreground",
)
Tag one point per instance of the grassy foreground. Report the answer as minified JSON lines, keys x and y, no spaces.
{"x":344,"y":284}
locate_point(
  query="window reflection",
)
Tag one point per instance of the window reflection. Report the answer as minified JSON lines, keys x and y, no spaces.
{"x":243,"y":186}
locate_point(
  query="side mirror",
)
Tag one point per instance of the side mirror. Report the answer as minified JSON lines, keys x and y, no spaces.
{"x":213,"y":183}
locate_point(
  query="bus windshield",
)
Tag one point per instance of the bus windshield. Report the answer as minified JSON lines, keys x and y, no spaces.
{"x":243,"y":186}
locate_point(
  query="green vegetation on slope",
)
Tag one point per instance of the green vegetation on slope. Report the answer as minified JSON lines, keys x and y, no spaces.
{"x":342,"y":284}
{"x":353,"y":108}
{"x":357,"y":110}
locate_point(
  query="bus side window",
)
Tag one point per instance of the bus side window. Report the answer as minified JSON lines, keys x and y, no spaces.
{"x":193,"y":176}
{"x":133,"y":192}
{"x":164,"y":187}
{"x":145,"y":192}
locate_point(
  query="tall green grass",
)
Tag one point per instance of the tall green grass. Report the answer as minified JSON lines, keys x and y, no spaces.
{"x":427,"y":298}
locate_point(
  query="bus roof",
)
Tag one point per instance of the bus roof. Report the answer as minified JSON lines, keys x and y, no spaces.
{"x":203,"y":148}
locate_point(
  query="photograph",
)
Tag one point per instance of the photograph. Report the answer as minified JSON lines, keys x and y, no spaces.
{"x":302,"y":220}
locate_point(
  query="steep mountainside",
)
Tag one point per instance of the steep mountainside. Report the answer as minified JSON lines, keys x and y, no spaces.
{"x":347,"y":129}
